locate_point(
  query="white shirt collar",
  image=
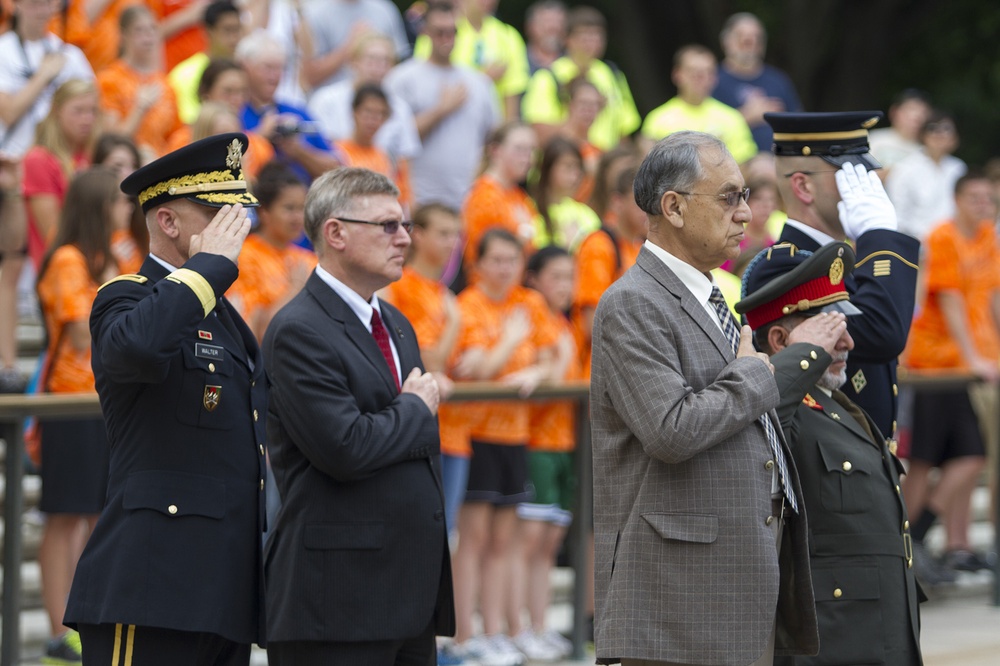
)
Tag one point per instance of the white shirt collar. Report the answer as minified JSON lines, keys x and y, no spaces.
{"x":817,"y":235}
{"x":362,"y":308}
{"x":697,"y":282}
{"x":170,"y":269}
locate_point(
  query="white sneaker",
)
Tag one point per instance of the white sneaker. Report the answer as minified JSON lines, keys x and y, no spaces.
{"x":558,"y":641}
{"x":535,"y":648}
{"x":496,"y":650}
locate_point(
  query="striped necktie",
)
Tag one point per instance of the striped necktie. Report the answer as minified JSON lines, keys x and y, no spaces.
{"x":732,"y":333}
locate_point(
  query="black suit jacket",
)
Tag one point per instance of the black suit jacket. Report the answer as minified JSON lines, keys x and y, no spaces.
{"x":883,"y":286}
{"x":359,"y":550}
{"x":177,"y":545}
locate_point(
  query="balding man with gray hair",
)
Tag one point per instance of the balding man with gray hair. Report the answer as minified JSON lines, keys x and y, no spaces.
{"x":294,"y":133}
{"x":697,"y":517}
{"x":357,"y":565}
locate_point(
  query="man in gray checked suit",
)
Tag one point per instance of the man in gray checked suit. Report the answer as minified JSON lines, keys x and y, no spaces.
{"x":701,"y":551}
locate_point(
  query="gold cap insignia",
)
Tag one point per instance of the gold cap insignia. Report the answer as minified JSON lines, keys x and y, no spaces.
{"x":211,"y":397}
{"x":870,"y":123}
{"x":836,"y":271}
{"x":806,"y":150}
{"x":234,"y":155}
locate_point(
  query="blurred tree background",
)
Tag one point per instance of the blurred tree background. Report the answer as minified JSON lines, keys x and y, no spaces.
{"x":841,"y":54}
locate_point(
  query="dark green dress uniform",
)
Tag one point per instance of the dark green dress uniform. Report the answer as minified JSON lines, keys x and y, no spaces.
{"x":883,"y":285}
{"x":860,"y":549}
{"x":859,"y":541}
{"x":183,"y":392}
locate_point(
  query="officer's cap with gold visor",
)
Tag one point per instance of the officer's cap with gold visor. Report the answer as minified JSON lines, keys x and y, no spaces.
{"x":784,"y":280}
{"x":837,"y":138}
{"x":208,"y":172}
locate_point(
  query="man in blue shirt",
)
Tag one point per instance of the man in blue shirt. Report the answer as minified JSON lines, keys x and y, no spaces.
{"x":295,"y":135}
{"x":748,"y":84}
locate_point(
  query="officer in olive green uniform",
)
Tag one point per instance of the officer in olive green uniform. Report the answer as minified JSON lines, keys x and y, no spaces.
{"x":859,"y":542}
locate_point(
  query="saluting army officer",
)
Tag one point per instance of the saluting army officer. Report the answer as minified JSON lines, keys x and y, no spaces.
{"x":827,"y":183}
{"x":172,"y":573}
{"x":859,"y":540}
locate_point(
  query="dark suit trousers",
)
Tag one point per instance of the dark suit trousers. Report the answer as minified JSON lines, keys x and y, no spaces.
{"x":129,"y":645}
{"x":418,"y":651}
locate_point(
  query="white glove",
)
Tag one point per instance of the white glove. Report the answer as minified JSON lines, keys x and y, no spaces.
{"x":864,"y":204}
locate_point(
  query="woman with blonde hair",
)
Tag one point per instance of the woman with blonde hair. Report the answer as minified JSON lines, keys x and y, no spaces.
{"x":63,"y":142}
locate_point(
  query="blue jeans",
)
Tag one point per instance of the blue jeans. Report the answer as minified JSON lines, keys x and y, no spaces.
{"x":454,"y":477}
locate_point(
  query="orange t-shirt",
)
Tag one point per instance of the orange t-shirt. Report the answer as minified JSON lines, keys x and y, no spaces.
{"x":126,"y":251}
{"x":421,"y":301}
{"x":119,"y":85}
{"x":66,"y":293}
{"x":553,"y":423}
{"x":259,"y":150}
{"x":597,"y":268}
{"x":970,"y":266}
{"x":99,"y":39}
{"x":266,"y":276}
{"x":374,"y":158}
{"x":490,"y":204}
{"x":504,"y":422}
{"x":182,"y":44}
{"x":591,"y":154}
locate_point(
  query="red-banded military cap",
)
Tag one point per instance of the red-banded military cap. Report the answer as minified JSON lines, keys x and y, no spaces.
{"x":784,"y":280}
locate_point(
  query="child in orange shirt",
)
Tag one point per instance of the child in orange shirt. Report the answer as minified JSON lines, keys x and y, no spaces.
{"x":272,"y":268}
{"x":75,"y":453}
{"x":433,"y":310}
{"x":545,"y":520}
{"x":130,"y":245}
{"x":507,"y":336}
{"x":135,"y":93}
{"x":497,"y":198}
{"x":605,"y":255}
{"x":371,"y":110}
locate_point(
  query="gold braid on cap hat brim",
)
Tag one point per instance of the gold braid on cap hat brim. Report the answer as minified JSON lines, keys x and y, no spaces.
{"x":209,"y":181}
{"x":806,"y":304}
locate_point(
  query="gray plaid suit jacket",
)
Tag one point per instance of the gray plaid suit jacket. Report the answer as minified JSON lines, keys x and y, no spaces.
{"x":686,"y":569}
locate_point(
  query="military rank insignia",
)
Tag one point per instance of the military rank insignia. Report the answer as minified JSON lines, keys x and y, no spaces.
{"x":811,"y":403}
{"x":211,"y":397}
{"x":859,"y":381}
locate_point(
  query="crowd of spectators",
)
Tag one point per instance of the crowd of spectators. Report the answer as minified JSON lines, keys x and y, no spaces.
{"x":510,"y":153}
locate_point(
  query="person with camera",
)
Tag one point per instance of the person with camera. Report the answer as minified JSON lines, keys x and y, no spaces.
{"x":295,"y":135}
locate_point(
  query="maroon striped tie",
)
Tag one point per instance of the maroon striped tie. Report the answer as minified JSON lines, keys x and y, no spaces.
{"x":382,"y":340}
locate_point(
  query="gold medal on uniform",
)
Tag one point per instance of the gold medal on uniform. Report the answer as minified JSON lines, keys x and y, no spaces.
{"x":211,"y":397}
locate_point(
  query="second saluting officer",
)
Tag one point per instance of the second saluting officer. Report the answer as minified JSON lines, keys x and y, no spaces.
{"x":826,"y":179}
{"x":860,"y":550}
{"x":172,"y":573}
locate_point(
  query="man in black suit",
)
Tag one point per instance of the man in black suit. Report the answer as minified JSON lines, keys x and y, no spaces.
{"x":357,"y":564}
{"x":172,"y":573}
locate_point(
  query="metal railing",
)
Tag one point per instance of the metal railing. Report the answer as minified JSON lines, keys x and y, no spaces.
{"x":14,"y":409}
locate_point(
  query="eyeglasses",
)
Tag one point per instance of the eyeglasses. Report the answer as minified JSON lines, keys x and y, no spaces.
{"x":389,"y":226}
{"x":732,"y":199}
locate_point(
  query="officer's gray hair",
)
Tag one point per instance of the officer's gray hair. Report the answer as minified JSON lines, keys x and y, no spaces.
{"x":674,"y":164}
{"x":336,"y":193}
